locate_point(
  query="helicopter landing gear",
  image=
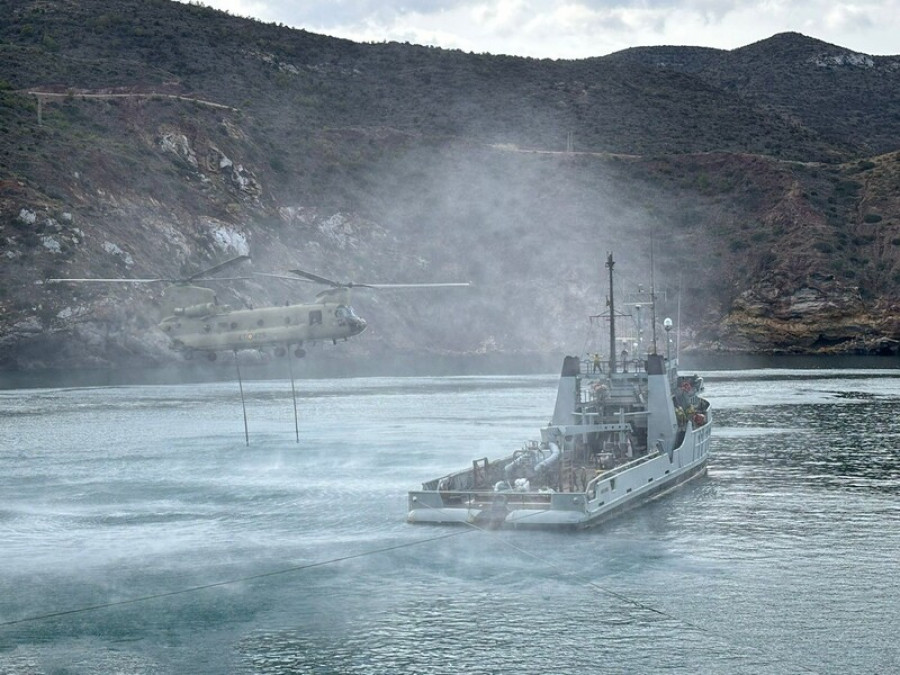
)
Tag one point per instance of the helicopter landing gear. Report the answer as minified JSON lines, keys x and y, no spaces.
{"x":211,"y":356}
{"x":280,"y":351}
{"x":188,"y":354}
{"x":299,"y":352}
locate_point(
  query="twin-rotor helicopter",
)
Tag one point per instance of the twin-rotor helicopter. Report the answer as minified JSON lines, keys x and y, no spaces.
{"x":195,"y":322}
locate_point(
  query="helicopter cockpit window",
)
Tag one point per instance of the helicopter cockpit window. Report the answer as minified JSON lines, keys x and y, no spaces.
{"x":344,"y":314}
{"x":315,"y":317}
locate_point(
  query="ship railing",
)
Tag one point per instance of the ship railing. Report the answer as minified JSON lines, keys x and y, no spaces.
{"x":480,"y":499}
{"x":628,"y":366}
{"x":615,"y":471}
{"x":590,"y":427}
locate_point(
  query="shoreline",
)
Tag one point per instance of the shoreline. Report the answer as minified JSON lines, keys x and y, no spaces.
{"x":415,"y":365}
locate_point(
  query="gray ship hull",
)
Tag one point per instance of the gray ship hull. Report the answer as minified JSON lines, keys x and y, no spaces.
{"x":617,"y":439}
{"x":622,"y":432}
{"x":606,"y":497}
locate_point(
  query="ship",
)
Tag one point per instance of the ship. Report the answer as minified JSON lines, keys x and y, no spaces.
{"x":623,"y":432}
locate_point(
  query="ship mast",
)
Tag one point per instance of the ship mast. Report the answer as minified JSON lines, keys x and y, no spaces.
{"x":653,"y":295}
{"x":612,"y":316}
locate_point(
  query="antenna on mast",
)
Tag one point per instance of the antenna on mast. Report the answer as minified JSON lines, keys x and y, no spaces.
{"x":612,"y":316}
{"x":678,"y":332}
{"x":653,"y":294}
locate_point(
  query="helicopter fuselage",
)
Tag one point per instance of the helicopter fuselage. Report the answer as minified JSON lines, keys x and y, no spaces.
{"x":194,"y":320}
{"x":211,"y":327}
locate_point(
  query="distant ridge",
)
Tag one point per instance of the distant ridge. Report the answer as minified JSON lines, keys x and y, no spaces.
{"x":805,"y":80}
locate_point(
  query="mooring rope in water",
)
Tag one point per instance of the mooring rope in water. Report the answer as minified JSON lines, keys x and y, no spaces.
{"x":727,"y":639}
{"x":218,"y":584}
{"x":471,"y":527}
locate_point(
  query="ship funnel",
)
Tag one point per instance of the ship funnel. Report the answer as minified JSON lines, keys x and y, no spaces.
{"x":662,"y":427}
{"x":564,"y":412}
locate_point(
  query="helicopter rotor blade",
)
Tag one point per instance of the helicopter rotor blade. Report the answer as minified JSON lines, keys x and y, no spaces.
{"x":451,"y":284}
{"x":109,"y":281}
{"x":216,"y":268}
{"x":175,"y":282}
{"x":281,"y":276}
{"x":318,"y":279}
{"x":352,"y":284}
{"x":198,"y":276}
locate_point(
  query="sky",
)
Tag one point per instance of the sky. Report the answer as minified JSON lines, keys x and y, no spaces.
{"x":572,"y":29}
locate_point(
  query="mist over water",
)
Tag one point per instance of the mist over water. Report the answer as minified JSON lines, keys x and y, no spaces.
{"x":286,"y":557}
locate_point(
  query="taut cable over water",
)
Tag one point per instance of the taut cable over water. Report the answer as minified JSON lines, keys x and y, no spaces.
{"x":92,"y":512}
{"x":472,"y":527}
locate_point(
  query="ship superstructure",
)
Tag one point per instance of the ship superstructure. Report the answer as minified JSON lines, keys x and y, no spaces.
{"x":624,"y":430}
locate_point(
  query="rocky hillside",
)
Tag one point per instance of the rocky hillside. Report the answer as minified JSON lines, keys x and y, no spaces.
{"x":153,"y":138}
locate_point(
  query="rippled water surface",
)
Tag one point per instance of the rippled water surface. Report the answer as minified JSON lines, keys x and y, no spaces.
{"x":140,"y":534}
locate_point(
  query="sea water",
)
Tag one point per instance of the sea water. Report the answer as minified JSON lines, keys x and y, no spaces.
{"x":141,"y":532}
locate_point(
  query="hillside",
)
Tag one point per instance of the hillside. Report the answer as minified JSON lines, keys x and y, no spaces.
{"x":845,"y":99}
{"x":154,"y":138}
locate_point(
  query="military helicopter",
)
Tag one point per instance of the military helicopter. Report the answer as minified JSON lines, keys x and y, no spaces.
{"x":195,"y":322}
{"x":331,"y":317}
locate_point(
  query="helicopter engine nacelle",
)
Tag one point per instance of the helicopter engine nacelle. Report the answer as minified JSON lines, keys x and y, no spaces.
{"x":196,"y":311}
